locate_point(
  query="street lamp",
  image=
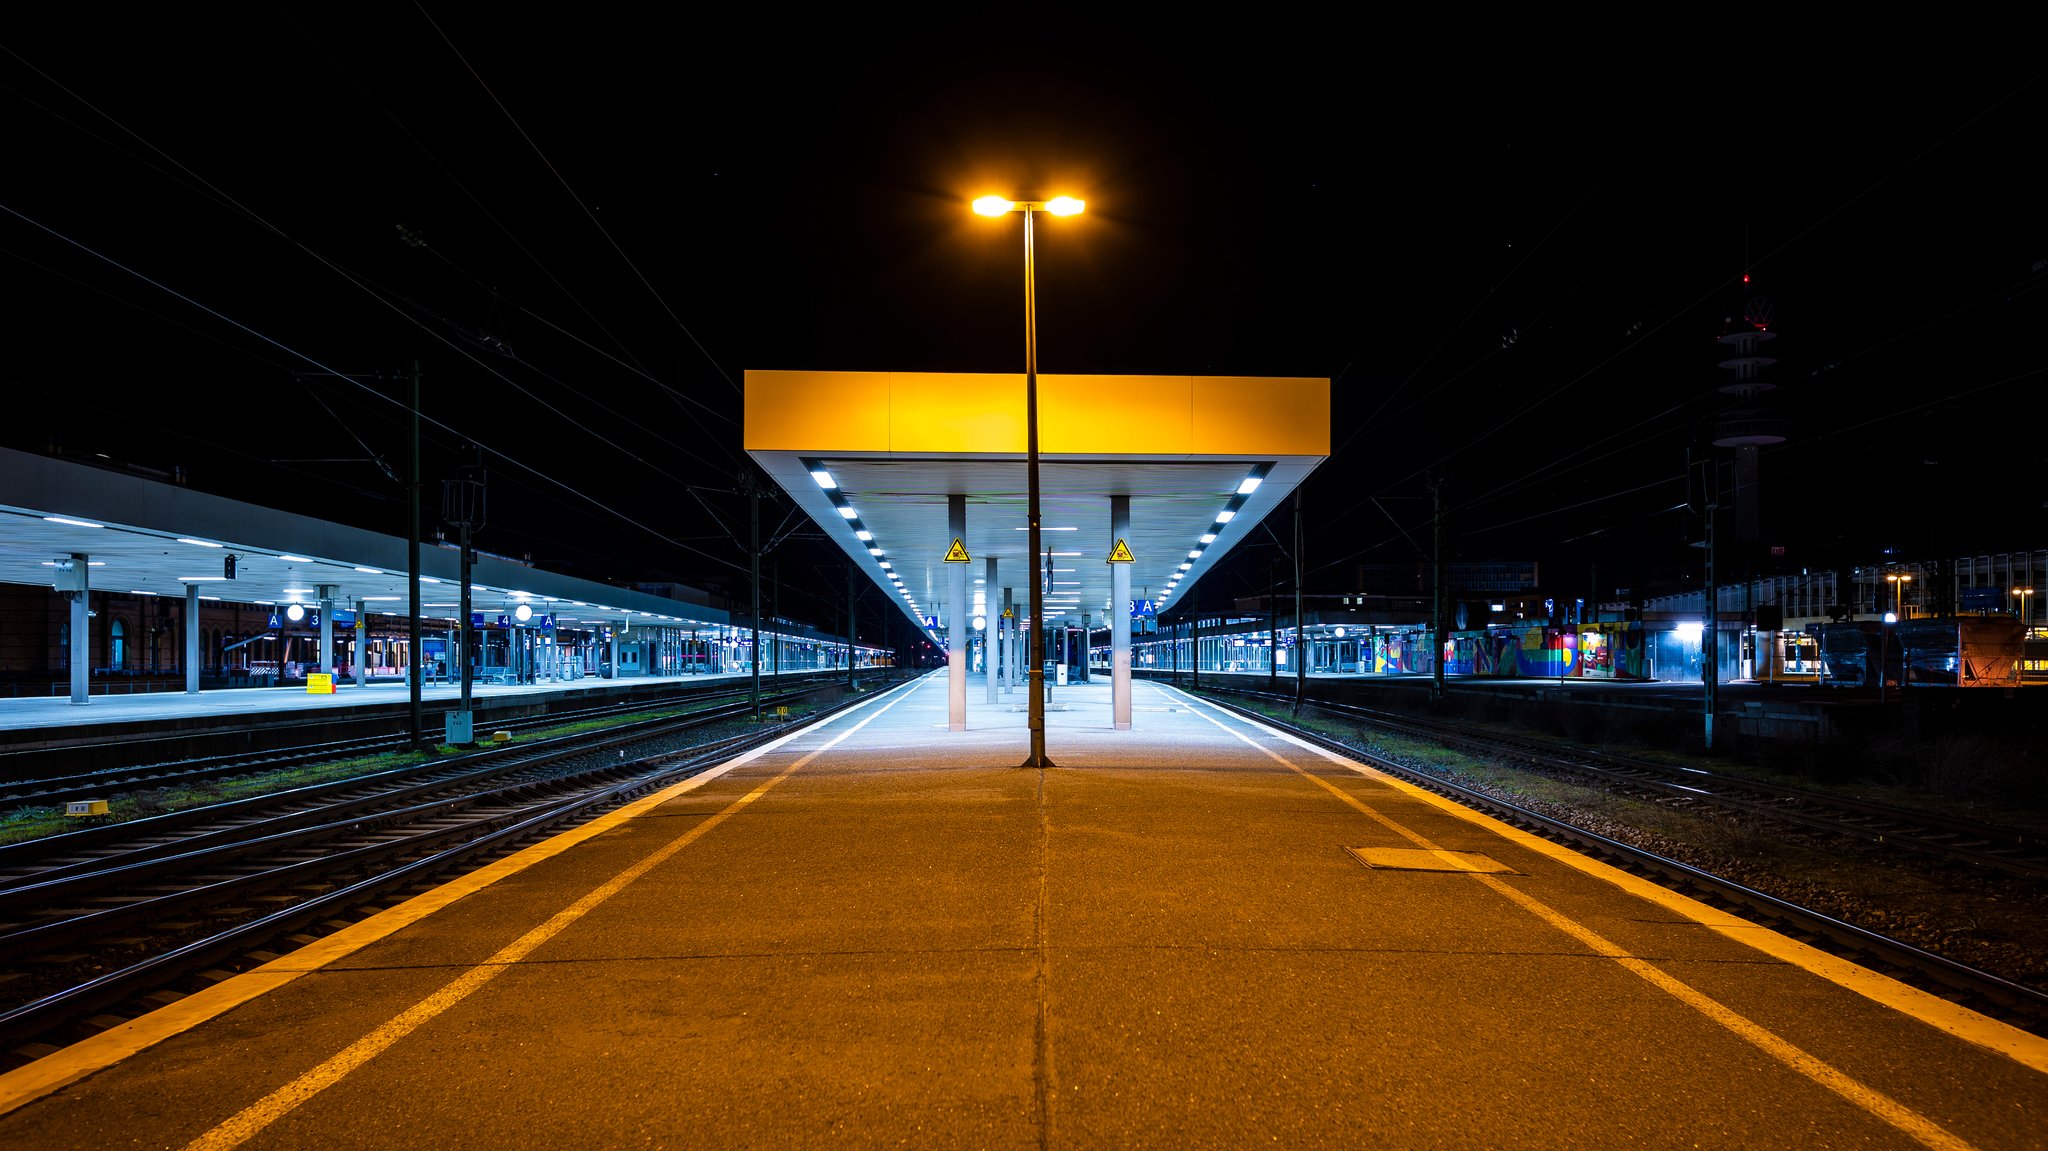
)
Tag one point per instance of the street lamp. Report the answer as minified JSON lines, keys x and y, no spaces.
{"x":1061,"y":206}
{"x":1898,"y":580}
{"x":2026,"y":621}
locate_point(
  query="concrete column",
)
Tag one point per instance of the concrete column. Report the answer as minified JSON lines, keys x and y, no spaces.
{"x":326,"y":627}
{"x":191,"y":639}
{"x":957,"y":629}
{"x":613,"y":656}
{"x":1011,"y":663}
{"x":80,"y":582}
{"x":1120,"y":618}
{"x":992,"y":630}
{"x":362,"y":643}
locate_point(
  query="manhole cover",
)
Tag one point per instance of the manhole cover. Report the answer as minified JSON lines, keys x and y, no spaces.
{"x":1425,"y":859}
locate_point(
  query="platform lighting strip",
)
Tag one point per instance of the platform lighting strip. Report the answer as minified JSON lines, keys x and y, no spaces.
{"x":824,"y":478}
{"x":1245,"y":487}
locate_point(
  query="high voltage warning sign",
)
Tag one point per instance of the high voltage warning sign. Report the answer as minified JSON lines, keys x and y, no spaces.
{"x":957,"y":554}
{"x":1121,"y":554}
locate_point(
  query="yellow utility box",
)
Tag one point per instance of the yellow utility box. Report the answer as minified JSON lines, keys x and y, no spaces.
{"x":86,"y":807}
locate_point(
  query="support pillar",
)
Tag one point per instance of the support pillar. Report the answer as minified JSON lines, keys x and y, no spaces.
{"x":81,"y":628}
{"x":614,"y":654}
{"x":326,"y":592}
{"x":191,"y":639}
{"x":957,"y":629}
{"x":362,"y":643}
{"x":1012,"y":663}
{"x":1120,"y":619}
{"x":992,"y":627}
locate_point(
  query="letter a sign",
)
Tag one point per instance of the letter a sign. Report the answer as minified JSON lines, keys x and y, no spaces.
{"x":1121,"y":553}
{"x":957,"y":554}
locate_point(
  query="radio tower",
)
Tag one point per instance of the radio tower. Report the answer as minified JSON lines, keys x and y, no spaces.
{"x":1745,"y":426}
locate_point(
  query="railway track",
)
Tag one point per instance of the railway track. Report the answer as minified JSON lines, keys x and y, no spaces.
{"x":57,"y":790}
{"x":2010,"y":850}
{"x":1987,"y":993}
{"x":102,"y":925}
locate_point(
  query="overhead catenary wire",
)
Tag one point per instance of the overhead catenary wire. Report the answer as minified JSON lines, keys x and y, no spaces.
{"x":1669,"y":317}
{"x":631,"y":362}
{"x":649,"y":285}
{"x":376,"y":292}
{"x":507,"y":457}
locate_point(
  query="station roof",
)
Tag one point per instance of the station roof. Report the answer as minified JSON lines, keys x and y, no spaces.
{"x":149,"y":537}
{"x":896,"y":445}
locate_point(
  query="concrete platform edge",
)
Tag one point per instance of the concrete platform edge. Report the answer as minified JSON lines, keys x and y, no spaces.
{"x":31,"y":1082}
{"x":2023,"y":1047}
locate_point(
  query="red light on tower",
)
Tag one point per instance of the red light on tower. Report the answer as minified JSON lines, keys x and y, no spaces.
{"x":1745,"y":277}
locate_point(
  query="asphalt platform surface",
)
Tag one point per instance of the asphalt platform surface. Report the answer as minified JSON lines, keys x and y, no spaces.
{"x":881,"y":933}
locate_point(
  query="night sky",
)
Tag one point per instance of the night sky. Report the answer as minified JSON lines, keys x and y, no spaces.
{"x":1512,"y":258}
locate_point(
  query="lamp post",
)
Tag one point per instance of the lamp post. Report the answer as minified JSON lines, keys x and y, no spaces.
{"x":1898,"y":580}
{"x":1062,"y":206}
{"x":2026,"y":621}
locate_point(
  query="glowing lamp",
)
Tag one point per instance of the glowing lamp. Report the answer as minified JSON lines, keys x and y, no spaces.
{"x":993,"y":206}
{"x":1063,"y":206}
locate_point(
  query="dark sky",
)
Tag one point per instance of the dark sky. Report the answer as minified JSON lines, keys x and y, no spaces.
{"x":1512,"y":257}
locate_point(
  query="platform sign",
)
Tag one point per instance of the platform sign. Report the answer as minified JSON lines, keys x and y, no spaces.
{"x":319,"y":683}
{"x":1121,"y":553}
{"x":957,"y":554}
{"x":342,"y":618}
{"x":1143,"y":609}
{"x":275,"y":622}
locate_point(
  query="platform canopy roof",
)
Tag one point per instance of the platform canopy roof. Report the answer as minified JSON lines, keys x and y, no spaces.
{"x":149,"y":537}
{"x":1188,"y":451}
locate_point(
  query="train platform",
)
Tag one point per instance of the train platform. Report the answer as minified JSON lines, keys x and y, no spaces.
{"x":1195,"y":933}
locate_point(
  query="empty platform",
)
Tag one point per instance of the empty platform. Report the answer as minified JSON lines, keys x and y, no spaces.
{"x":1195,"y":933}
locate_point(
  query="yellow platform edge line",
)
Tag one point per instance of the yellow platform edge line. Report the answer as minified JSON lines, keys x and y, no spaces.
{"x":32,"y":1081}
{"x":2023,"y":1047}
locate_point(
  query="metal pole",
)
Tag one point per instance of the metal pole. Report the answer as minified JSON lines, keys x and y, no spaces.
{"x":468,"y":633}
{"x":1035,"y":719}
{"x":414,"y":666}
{"x":754,"y":549}
{"x":851,"y":681}
{"x":1272,"y":630}
{"x":1710,"y":646}
{"x":1300,"y":636}
{"x":1436,"y":614}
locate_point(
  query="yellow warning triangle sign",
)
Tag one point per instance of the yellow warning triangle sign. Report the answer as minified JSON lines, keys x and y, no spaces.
{"x":1121,"y":553}
{"x":957,"y":554}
